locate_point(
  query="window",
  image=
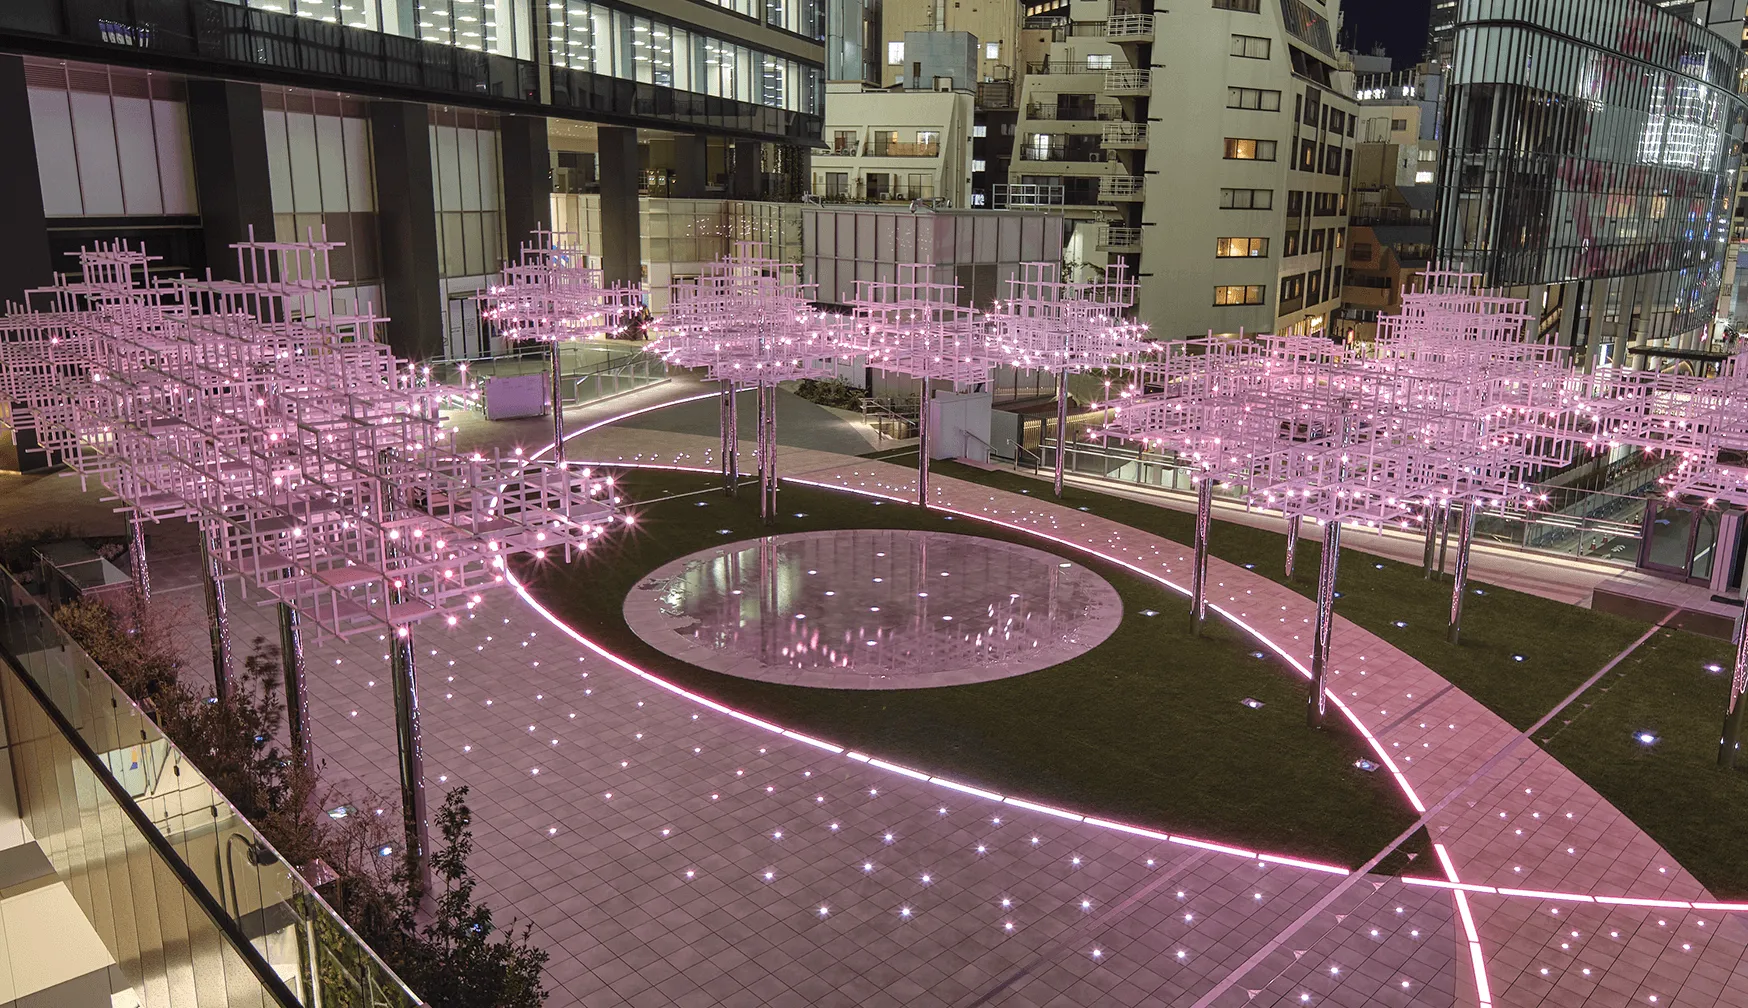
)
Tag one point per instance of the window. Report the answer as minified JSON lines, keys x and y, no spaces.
{"x":1292,"y":289}
{"x":1240,"y":248}
{"x":1292,"y":242}
{"x":992,"y":50}
{"x":1313,"y":107}
{"x":1336,"y":121}
{"x":1307,"y":155}
{"x":1247,"y":6}
{"x":1317,"y":240}
{"x":977,"y":199}
{"x":1340,"y":237}
{"x":1363,"y":252}
{"x":1313,"y":287}
{"x":1249,"y":150}
{"x":1325,"y":204}
{"x":895,"y":54}
{"x":1427,"y":154}
{"x":1422,"y":177}
{"x":837,"y":185}
{"x":1252,"y":98}
{"x":1247,"y":199}
{"x":1331,"y":160}
{"x":927,"y":138}
{"x":980,"y":130}
{"x":1295,"y":203}
{"x":978,"y":165}
{"x":1250,"y":47}
{"x":1398,"y":124}
{"x":1241,"y":294}
{"x":1098,"y":61}
{"x":844,"y":142}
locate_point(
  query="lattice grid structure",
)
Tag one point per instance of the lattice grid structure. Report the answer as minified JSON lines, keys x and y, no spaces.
{"x":321,"y":469}
{"x":916,"y":326}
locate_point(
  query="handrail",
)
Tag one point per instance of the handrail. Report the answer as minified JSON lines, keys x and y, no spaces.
{"x":965,"y":446}
{"x":85,"y":678}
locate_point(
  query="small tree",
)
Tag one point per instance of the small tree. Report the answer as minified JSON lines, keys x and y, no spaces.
{"x":456,"y":963}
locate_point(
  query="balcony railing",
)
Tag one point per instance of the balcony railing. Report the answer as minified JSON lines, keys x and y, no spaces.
{"x":1128,"y":81}
{"x":998,"y":94}
{"x":887,"y":148}
{"x":1129,"y":27}
{"x":1080,"y":66}
{"x":1124,"y":135}
{"x":1101,"y":111}
{"x":1062,"y":153}
{"x":124,"y":807}
{"x":1120,"y":239}
{"x":1121,"y":187}
{"x":1026,"y":194}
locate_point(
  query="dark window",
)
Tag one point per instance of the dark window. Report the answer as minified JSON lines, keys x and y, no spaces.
{"x":1247,"y":6}
{"x":1292,"y":242}
{"x":1250,"y":47}
{"x":1398,"y":124}
{"x":1313,"y":108}
{"x":1317,"y":240}
{"x":1313,"y":287}
{"x":1307,"y":155}
{"x":1347,"y":164}
{"x":1295,"y":203}
{"x":1247,"y":199}
{"x":1337,"y":121}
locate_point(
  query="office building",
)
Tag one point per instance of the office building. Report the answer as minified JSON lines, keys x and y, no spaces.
{"x":1590,"y":161}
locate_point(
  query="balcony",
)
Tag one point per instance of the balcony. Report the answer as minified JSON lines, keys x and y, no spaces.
{"x":1124,"y":136}
{"x":1092,"y":65}
{"x":884,"y":148}
{"x":1086,"y":113}
{"x":1128,"y":82}
{"x":1121,"y":189}
{"x":1117,"y":238}
{"x":1074,"y":153}
{"x":1129,"y":28}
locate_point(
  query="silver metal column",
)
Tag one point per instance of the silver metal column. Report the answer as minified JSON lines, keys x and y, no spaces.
{"x":1061,"y":428}
{"x":557,"y":410}
{"x":142,"y":573}
{"x":219,"y":614}
{"x":1326,"y":572}
{"x":767,"y":407}
{"x":1429,"y":516}
{"x":1460,"y":578}
{"x":1293,"y":524}
{"x":922,"y":448}
{"x":730,"y":439}
{"x":1444,"y":537}
{"x":1199,"y":570}
{"x":297,"y":697}
{"x":1730,"y":743}
{"x":414,"y":821}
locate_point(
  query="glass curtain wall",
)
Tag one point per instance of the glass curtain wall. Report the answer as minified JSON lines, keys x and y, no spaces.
{"x":1592,"y":140}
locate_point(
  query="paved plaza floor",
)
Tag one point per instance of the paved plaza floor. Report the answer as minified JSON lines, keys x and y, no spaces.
{"x":669,"y":851}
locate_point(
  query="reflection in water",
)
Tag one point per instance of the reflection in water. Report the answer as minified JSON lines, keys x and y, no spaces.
{"x":880,"y":602}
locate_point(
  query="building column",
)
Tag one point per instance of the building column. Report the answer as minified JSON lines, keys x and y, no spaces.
{"x":228,"y":139}
{"x":691,"y":166}
{"x":744,"y":175}
{"x":407,"y":224}
{"x":621,"y":230}
{"x":527,"y":179}
{"x":25,"y":259}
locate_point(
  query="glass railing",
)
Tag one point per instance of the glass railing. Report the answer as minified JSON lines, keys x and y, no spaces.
{"x":1589,"y":525}
{"x":589,"y":371}
{"x":196,"y":907}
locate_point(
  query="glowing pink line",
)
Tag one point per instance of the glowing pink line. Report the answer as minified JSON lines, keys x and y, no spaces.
{"x":597,"y":425}
{"x":1483,"y":993}
{"x":1544,"y":894}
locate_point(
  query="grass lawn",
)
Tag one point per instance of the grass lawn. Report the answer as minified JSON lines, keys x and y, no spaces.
{"x":1672,"y":789}
{"x":1147,"y":727}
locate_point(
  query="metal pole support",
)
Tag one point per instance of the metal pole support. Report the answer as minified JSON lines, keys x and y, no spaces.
{"x":1326,"y":572}
{"x":1460,"y":577}
{"x":1293,"y":524}
{"x":414,"y":820}
{"x":1061,"y":428}
{"x":219,"y":614}
{"x":1430,"y":520}
{"x":1444,"y":534}
{"x":141,"y":570}
{"x":922,"y":448}
{"x":1730,"y":743}
{"x":767,"y":406}
{"x":297,"y":698}
{"x":730,"y":439}
{"x":1199,"y":570}
{"x":557,"y":410}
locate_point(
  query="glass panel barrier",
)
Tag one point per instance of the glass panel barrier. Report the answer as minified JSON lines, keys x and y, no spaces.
{"x":194,"y":904}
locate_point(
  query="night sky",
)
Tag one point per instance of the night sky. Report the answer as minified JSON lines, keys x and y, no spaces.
{"x":1399,"y":24}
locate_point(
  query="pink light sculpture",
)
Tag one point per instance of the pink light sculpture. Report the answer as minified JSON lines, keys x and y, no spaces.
{"x":1458,"y":404}
{"x":1061,"y":326}
{"x":550,"y":295}
{"x":917,"y":327}
{"x":750,"y":320}
{"x":317,"y":468}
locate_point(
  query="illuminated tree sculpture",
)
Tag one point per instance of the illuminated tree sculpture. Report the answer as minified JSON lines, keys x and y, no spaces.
{"x":1457,"y":405}
{"x":917,"y":327}
{"x":749,"y":320}
{"x":550,"y":295}
{"x":1062,"y":327}
{"x":315,"y":466}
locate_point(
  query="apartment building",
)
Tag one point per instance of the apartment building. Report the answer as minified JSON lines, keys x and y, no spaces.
{"x":889,"y":146}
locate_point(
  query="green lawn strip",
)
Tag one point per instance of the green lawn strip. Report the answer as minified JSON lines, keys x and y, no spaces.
{"x":1147,"y":728}
{"x":1672,"y":787}
{"x":1673,"y":790}
{"x":1562,"y":645}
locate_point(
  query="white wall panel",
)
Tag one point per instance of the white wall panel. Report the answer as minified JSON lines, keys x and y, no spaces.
{"x":137,"y":144}
{"x":331,"y":163}
{"x":175,"y":159}
{"x":306,"y":177}
{"x":94,"y":139}
{"x":447,"y":170}
{"x":278,"y":161}
{"x":467,"y":157}
{"x":491,"y":195}
{"x":57,"y":160}
{"x":360,"y":179}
